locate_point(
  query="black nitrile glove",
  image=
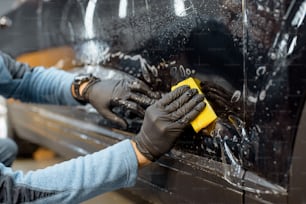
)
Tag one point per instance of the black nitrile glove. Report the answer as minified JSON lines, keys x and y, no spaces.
{"x":132,"y":94}
{"x":166,"y":119}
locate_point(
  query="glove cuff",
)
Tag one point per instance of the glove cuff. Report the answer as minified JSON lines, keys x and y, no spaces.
{"x":78,"y":81}
{"x":143,"y":149}
{"x":85,"y":93}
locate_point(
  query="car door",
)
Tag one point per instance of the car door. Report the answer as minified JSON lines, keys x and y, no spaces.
{"x":243,"y":52}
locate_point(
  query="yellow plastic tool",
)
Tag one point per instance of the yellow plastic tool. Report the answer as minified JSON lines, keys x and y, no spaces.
{"x":208,"y":115}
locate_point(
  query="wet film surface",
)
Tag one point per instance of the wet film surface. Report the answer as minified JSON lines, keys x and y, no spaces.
{"x":247,"y":55}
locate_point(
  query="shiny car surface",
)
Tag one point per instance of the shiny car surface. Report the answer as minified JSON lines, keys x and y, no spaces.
{"x":249,"y":56}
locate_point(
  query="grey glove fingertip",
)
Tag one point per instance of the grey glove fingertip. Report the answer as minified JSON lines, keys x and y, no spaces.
{"x":200,"y":97}
{"x":132,"y":106}
{"x":120,"y":122}
{"x":180,"y":109}
{"x":155,"y":95}
{"x":114,"y":118}
{"x":142,"y":99}
{"x":141,"y":87}
{"x":184,"y":99}
{"x":189,"y":117}
{"x":195,"y":111}
{"x":173,"y":95}
{"x":200,"y":107}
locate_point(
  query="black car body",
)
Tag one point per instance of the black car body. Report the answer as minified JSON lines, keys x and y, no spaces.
{"x":249,"y":55}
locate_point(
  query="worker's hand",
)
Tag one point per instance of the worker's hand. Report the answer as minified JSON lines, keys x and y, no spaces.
{"x":166,"y":119}
{"x":132,"y":94}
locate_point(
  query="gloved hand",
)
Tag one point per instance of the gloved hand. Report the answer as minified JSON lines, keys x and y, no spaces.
{"x":132,"y":94}
{"x":166,"y":119}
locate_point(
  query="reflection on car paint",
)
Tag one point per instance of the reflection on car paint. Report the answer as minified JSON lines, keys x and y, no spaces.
{"x":154,"y":75}
{"x":241,"y":51}
{"x":236,"y":137}
{"x":231,"y":140}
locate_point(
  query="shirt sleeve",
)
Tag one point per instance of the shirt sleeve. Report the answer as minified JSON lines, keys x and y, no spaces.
{"x":37,"y":84}
{"x":73,"y":181}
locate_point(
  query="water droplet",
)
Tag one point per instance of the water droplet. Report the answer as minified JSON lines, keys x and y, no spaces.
{"x":273,"y":56}
{"x":262,"y":95}
{"x":252,"y":99}
{"x":261,"y":70}
{"x":236,"y":96}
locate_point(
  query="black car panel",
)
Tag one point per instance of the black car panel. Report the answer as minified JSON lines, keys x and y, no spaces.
{"x":249,"y":56}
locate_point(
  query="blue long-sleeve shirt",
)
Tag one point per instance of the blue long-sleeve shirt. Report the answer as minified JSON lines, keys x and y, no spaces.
{"x":72,"y":181}
{"x":36,"y":85}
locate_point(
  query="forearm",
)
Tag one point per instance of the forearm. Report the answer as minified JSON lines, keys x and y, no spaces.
{"x":36,"y":85}
{"x":76,"y":180}
{"x":51,"y":86}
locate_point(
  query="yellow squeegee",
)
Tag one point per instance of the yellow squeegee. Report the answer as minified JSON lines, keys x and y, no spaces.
{"x":208,"y":115}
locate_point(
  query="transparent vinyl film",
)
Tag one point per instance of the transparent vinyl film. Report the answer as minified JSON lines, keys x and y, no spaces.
{"x":247,"y":54}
